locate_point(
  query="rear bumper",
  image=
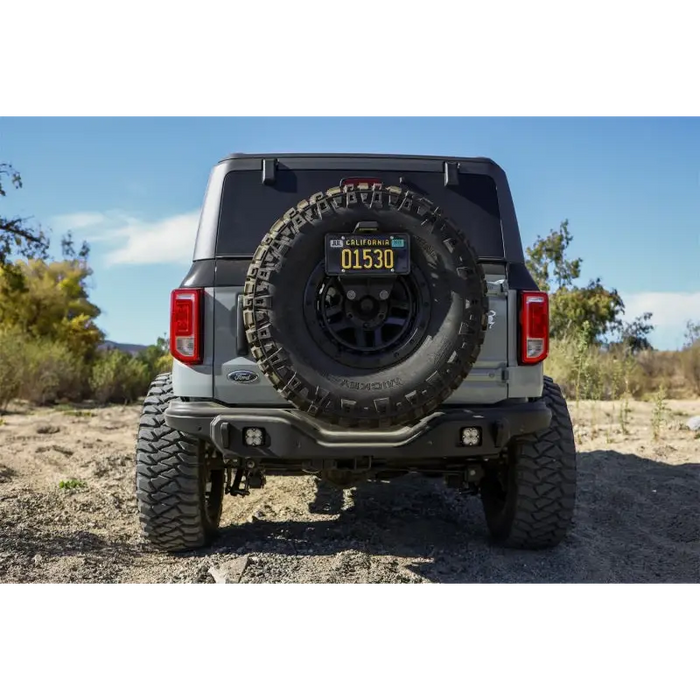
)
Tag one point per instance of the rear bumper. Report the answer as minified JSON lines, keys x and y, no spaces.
{"x":292,"y":435}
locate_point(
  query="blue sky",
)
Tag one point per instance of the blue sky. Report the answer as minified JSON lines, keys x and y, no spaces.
{"x":133,"y":187}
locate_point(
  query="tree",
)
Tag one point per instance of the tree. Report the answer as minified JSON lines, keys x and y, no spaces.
{"x":692,"y":334}
{"x":39,"y":297}
{"x":52,"y":303}
{"x":571,"y":305}
{"x":634,"y":336}
{"x":547,"y":259}
{"x":17,"y":237}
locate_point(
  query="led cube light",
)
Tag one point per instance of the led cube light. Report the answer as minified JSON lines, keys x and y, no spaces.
{"x":254,"y":437}
{"x":471,"y":436}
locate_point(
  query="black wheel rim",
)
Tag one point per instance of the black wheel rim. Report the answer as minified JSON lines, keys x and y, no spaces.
{"x":366,"y":332}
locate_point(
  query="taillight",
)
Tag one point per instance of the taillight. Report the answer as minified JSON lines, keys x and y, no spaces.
{"x":186,"y":325}
{"x":355,"y":181}
{"x":534,"y":327}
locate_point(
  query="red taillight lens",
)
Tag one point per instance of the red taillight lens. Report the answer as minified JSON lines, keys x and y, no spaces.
{"x":185,"y":325}
{"x":534,"y":327}
{"x":355,"y":181}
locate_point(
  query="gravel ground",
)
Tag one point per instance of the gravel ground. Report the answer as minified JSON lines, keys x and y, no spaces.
{"x":637,"y":520}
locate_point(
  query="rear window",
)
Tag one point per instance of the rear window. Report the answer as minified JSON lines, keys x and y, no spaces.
{"x":249,"y":208}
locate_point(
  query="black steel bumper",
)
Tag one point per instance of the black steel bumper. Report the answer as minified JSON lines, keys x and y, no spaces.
{"x":292,"y":435}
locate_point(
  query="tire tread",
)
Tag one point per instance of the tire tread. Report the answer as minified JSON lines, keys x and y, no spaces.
{"x":545,"y":481}
{"x":168,"y":465}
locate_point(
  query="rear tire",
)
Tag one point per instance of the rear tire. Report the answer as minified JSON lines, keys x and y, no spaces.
{"x":179,"y":497}
{"x":289,"y":301}
{"x":530,"y":503}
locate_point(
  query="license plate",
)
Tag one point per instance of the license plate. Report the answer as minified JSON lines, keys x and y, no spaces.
{"x":368,"y":254}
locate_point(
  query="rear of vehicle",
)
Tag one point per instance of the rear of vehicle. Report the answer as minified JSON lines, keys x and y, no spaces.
{"x":246,"y":195}
{"x":355,"y":317}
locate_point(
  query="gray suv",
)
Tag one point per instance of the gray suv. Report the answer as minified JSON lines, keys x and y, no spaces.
{"x":357,"y":317}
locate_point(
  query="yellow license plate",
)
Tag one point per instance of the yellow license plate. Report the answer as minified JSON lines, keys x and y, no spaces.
{"x":377,"y":254}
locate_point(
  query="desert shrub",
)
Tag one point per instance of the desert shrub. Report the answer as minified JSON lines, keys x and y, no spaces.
{"x":51,"y":371}
{"x":117,"y":376}
{"x":157,"y":358}
{"x":163,"y":364}
{"x":11,"y":365}
{"x":44,"y":370}
{"x":588,"y":371}
{"x":657,"y":369}
{"x":690,"y":366}
{"x":584,"y":370}
{"x":690,"y":357}
{"x":38,"y":370}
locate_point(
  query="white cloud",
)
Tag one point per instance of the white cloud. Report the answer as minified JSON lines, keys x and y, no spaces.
{"x":135,"y":241}
{"x":669,"y":309}
{"x":78,"y":220}
{"x":670,"y":313}
{"x":167,"y":240}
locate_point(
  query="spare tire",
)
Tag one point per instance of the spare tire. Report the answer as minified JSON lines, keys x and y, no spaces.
{"x":304,"y":334}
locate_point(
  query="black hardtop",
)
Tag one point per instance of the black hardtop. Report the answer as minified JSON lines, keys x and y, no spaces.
{"x":248,"y":191}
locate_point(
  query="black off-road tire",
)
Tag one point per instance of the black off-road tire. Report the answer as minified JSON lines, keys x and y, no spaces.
{"x":394,"y":387}
{"x":535,"y":509}
{"x":176,"y":511}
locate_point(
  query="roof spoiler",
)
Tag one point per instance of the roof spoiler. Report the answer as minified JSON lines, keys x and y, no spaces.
{"x":269,"y":172}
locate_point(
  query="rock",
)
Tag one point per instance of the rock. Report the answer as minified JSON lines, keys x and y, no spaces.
{"x":229,"y":571}
{"x":46,"y":429}
{"x":37,"y":559}
{"x":694,"y":423}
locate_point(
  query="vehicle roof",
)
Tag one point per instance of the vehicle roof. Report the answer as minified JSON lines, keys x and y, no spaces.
{"x":476,"y":159}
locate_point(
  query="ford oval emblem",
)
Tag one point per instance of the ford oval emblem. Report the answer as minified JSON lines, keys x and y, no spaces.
{"x":243,"y":376}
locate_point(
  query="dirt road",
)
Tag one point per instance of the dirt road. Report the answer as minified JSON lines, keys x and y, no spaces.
{"x":638,"y":513}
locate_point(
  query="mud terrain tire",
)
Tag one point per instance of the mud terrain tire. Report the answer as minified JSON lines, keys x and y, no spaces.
{"x":389,"y":389}
{"x":536,"y":508}
{"x":176,"y":511}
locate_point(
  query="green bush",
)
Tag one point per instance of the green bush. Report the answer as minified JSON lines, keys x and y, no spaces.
{"x":162,"y":365}
{"x":117,"y":376}
{"x":43,"y":371}
{"x":11,"y":365}
{"x":38,"y":370}
{"x":51,"y":372}
{"x":588,"y":371}
{"x":157,"y":358}
{"x":584,"y":372}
